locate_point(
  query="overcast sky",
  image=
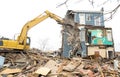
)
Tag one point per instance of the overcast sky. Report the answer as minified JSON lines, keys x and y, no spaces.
{"x":15,"y":13}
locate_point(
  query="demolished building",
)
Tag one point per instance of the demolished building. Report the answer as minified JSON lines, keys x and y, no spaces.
{"x":79,"y":38}
{"x":87,"y":35}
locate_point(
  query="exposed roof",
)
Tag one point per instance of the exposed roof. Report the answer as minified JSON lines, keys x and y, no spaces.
{"x":84,"y":11}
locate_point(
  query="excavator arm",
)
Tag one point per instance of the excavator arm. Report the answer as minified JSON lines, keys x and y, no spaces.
{"x":23,"y":35}
{"x":21,"y":42}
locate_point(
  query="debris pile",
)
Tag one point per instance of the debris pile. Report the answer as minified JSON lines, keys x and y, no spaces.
{"x":38,"y":64}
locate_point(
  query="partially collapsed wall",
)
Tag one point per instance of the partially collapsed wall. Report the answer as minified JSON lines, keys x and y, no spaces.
{"x":71,"y":39}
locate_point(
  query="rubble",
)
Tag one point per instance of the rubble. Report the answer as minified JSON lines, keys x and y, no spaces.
{"x":37,"y":64}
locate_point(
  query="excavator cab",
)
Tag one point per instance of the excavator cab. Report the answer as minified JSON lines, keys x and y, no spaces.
{"x":28,"y":41}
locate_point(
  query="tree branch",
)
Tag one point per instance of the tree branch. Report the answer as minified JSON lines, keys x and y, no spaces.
{"x":104,"y":3}
{"x":92,"y":2}
{"x":64,"y":3}
{"x":112,"y":13}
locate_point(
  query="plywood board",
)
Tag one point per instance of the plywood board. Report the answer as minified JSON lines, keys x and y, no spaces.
{"x":10,"y":71}
{"x":43,"y":71}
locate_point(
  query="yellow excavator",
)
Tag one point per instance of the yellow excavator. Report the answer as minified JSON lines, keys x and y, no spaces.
{"x":23,"y":41}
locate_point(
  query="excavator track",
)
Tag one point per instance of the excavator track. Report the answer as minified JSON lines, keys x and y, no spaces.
{"x":5,"y":52}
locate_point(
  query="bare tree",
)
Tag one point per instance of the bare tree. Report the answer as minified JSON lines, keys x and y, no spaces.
{"x":43,"y":44}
